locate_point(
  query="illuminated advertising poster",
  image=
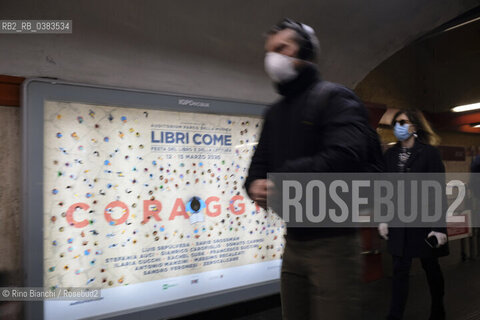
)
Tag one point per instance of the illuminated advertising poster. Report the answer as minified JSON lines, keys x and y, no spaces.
{"x":137,"y":196}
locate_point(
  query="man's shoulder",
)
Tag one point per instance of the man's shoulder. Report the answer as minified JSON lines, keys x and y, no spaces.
{"x":323,"y":85}
{"x":337,"y":99}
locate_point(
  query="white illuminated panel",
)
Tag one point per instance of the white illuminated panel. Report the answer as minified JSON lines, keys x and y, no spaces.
{"x":467,"y":107}
{"x":144,"y":294}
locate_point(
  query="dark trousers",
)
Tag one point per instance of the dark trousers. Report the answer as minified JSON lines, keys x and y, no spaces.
{"x":321,"y":279}
{"x":400,"y":284}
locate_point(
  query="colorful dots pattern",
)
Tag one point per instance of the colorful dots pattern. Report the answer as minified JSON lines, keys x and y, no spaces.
{"x":97,"y":155}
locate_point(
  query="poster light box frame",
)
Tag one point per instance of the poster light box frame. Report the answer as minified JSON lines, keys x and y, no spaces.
{"x":35,"y":92}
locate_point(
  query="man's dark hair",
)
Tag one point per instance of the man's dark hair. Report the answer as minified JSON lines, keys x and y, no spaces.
{"x":305,"y":38}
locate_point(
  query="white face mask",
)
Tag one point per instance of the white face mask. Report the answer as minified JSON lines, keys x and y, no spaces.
{"x":280,"y":67}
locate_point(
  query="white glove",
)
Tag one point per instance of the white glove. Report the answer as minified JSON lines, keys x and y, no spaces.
{"x":441,"y":237}
{"x":383,"y":230}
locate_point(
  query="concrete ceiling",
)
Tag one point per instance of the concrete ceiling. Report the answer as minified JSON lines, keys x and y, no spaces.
{"x":212,"y":48}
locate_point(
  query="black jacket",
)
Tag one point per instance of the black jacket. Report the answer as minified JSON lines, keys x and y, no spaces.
{"x":410,"y":242}
{"x":317,"y":126}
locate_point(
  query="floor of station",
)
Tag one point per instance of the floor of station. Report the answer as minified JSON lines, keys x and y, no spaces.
{"x":462,"y":299}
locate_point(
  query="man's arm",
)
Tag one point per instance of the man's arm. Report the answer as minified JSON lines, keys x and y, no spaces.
{"x":259,"y":164}
{"x":344,"y":141}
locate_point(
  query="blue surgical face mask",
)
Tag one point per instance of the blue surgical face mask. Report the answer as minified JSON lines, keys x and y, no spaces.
{"x":401,"y":132}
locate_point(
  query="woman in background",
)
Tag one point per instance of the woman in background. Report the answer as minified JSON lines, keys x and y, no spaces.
{"x":414,"y":152}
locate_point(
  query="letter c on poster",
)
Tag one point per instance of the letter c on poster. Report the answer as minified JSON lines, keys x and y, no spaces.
{"x":71,"y":210}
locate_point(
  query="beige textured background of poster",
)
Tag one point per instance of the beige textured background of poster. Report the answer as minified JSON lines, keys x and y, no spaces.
{"x":97,"y":155}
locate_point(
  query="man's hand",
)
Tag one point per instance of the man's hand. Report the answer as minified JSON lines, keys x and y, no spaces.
{"x":259,"y":190}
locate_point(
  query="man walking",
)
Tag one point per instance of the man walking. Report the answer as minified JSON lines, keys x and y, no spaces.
{"x":316,"y":126}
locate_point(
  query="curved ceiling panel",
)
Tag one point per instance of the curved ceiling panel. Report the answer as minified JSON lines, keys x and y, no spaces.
{"x":209,"y":47}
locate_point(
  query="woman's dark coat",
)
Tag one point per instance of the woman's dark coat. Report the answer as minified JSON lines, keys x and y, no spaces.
{"x":410,"y":242}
